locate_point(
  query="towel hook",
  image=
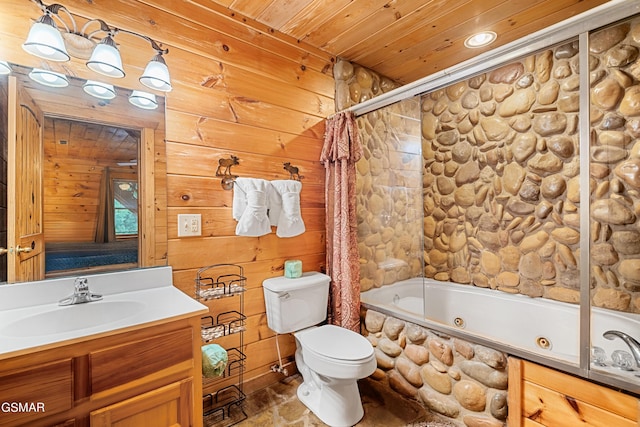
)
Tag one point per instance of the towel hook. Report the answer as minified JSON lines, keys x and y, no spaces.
{"x":294,"y":171}
{"x":224,"y":171}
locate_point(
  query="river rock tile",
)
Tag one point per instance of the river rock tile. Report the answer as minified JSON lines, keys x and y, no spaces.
{"x":470,"y":395}
{"x":439,"y":381}
{"x":393,"y":327}
{"x":480,"y":421}
{"x":439,"y":403}
{"x":485,"y":374}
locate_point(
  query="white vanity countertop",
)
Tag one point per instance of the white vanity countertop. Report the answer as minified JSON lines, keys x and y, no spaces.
{"x":31,"y":318}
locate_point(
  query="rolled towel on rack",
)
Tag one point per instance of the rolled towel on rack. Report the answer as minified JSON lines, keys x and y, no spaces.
{"x":239,"y":202}
{"x":285,"y":208}
{"x":214,"y":360}
{"x":250,"y":204}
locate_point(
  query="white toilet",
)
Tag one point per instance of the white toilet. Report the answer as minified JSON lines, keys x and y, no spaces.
{"x":331,"y":359}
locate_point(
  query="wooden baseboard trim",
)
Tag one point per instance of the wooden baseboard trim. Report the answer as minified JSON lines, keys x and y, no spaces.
{"x":268,"y":378}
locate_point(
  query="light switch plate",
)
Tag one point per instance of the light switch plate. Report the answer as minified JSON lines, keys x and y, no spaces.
{"x":189,"y":225}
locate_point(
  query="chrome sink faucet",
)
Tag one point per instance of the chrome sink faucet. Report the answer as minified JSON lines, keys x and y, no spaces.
{"x":81,"y":293}
{"x":631,"y":342}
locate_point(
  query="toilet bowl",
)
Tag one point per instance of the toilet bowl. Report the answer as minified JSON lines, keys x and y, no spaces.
{"x":331,"y":359}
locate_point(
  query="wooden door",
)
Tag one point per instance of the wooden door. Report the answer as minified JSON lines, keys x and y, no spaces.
{"x":25,"y":239}
{"x":168,"y":406}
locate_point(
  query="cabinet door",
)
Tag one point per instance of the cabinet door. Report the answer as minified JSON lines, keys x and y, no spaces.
{"x":541,"y":396}
{"x":164,"y":407}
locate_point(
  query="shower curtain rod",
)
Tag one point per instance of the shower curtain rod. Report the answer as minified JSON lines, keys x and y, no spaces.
{"x":600,"y":16}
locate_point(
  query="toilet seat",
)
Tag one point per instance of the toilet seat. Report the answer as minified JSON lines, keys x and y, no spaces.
{"x":336,"y":353}
{"x":337,"y":344}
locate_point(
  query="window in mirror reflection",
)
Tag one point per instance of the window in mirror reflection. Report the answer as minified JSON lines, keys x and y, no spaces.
{"x":125,"y":208}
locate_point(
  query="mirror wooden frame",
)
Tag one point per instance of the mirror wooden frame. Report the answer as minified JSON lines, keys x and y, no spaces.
{"x":74,"y":104}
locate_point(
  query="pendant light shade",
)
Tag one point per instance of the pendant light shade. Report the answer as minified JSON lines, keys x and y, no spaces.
{"x":57,"y":36}
{"x":156,"y":75}
{"x":106,"y":59}
{"x":143,"y":100}
{"x":49,"y":78}
{"x":5,"y":68}
{"x":99,"y":90}
{"x":45,"y":41}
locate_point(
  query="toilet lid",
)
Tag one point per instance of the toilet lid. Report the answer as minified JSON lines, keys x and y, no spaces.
{"x":337,"y":343}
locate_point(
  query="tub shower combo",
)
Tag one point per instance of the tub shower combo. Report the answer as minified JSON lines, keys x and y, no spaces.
{"x":499,"y":204}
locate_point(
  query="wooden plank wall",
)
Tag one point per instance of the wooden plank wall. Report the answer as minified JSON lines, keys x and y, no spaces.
{"x":71,"y":197}
{"x":239,"y":89}
{"x":72,"y":180}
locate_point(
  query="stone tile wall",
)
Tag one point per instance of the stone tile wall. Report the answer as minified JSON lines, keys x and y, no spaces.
{"x":389,"y":179}
{"x":615,"y":167}
{"x":389,"y":195}
{"x":501,"y":176}
{"x":356,"y":84}
{"x":463,"y":381}
{"x":501,"y":157}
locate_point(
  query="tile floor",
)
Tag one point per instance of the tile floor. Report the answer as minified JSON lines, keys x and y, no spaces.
{"x":278,"y":405}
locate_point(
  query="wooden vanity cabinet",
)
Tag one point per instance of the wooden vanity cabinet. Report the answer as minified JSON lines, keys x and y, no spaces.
{"x":143,"y":376}
{"x":541,"y":396}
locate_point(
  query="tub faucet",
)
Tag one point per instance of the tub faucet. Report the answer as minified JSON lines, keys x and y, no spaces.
{"x":634,"y":345}
{"x":81,"y":293}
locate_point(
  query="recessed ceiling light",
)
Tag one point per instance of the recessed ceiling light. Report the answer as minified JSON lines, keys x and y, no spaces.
{"x":480,"y":39}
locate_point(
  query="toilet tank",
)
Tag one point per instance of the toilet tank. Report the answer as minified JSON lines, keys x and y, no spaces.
{"x":295,"y":304}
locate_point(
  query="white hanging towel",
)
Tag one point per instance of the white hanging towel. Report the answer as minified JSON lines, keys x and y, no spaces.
{"x":239,"y":202}
{"x":250,"y":198}
{"x":284,"y":208}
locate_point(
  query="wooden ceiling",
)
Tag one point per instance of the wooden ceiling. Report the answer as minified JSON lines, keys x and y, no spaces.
{"x":404,"y":40}
{"x":104,"y":144}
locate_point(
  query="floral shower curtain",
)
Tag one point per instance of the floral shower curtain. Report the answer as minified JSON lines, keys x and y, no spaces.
{"x":341,"y":151}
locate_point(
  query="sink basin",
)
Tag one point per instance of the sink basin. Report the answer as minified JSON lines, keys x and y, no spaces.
{"x":72,"y":317}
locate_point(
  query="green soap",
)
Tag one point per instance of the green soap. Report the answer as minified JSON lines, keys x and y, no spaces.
{"x":293,"y":268}
{"x":214,"y":360}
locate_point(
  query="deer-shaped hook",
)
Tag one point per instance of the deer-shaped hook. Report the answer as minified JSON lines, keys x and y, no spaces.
{"x":294,"y":172}
{"x":224,"y":171}
{"x":226,"y":164}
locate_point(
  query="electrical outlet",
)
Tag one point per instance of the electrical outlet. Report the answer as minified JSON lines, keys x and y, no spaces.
{"x":189,"y":225}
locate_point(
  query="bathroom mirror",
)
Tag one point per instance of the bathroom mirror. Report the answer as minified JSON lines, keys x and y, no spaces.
{"x":79,"y":197}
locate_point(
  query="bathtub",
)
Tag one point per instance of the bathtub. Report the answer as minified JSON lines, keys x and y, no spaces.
{"x":535,"y":328}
